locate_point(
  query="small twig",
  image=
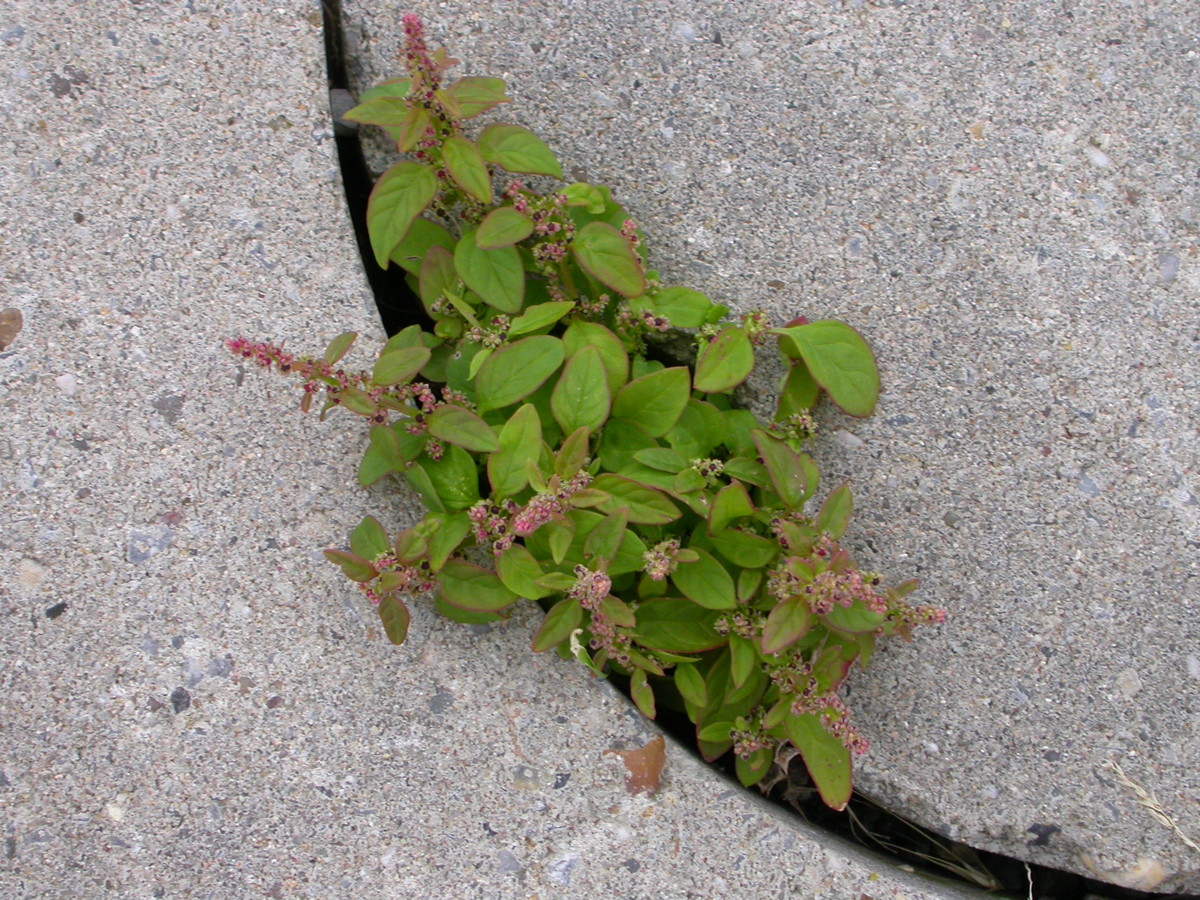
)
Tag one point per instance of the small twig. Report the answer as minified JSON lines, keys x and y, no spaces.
{"x":1150,"y":802}
{"x":1029,"y":875}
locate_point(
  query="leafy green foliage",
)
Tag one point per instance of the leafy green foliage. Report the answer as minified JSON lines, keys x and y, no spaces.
{"x":666,"y":532}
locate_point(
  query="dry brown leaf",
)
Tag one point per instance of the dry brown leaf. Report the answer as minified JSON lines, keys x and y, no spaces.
{"x":643,"y":767}
{"x":10,"y":325}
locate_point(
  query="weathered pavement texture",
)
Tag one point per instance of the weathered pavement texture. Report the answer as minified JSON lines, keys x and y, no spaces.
{"x":192,"y":703}
{"x":1004,"y":198}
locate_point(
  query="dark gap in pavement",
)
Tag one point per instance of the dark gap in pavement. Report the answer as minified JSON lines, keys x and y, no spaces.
{"x":398,"y":306}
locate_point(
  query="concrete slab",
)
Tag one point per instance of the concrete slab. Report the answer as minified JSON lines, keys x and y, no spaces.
{"x":1003,"y":197}
{"x":192,"y":704}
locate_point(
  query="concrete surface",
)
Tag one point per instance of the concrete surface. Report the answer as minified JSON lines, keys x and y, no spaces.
{"x":1004,"y":197}
{"x":192,"y":702}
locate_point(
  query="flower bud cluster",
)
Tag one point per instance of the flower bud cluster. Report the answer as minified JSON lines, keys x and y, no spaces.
{"x":317,"y":373}
{"x":755,"y":324}
{"x":607,"y":639}
{"x":710,"y":470}
{"x":844,"y":589}
{"x":742,"y":624}
{"x":489,"y":521}
{"x":903,"y":616}
{"x":590,"y":588}
{"x":591,"y":309}
{"x":796,"y":427}
{"x":492,"y":335}
{"x":503,"y":523}
{"x":795,"y":681}
{"x":835,"y":718}
{"x":414,"y":579}
{"x":660,"y":559}
{"x":749,"y":740}
{"x":548,"y":505}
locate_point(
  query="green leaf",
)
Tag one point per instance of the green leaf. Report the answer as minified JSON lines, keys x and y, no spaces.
{"x":618,"y":611}
{"x":560,"y":533}
{"x":747,"y":470}
{"x":715,"y":731}
{"x":594,"y":198}
{"x":732,"y":502}
{"x":394,"y":615}
{"x":418,"y":479}
{"x":357,"y":401}
{"x":369,"y":540}
{"x":603,"y":253}
{"x":338,"y":346}
{"x":503,"y":227}
{"x":827,"y":760}
{"x":725,"y":362}
{"x":789,"y":621}
{"x":497,"y":276}
{"x":460,"y":426}
{"x":664,"y":459}
{"x":404,"y":339}
{"x":467,"y":168}
{"x":449,"y":533}
{"x":354,"y":567}
{"x":748,"y":583}
{"x":538,"y":317}
{"x":835,"y":511}
{"x":753,"y":769}
{"x":417,"y":242}
{"x":643,"y":474}
{"x":573,"y":452}
{"x":520,"y":444}
{"x":400,"y":195}
{"x":677,"y":625}
{"x":613,"y":354}
{"x":560,"y":622}
{"x":414,"y":127}
{"x":399,"y":366}
{"x":519,"y":571}
{"x":376,"y":463}
{"x":838,"y":359}
{"x":784,"y":467}
{"x":518,"y":150}
{"x":383,"y":111}
{"x":463,"y":616}
{"x":736,"y":437}
{"x":556,"y":581}
{"x":743,"y":659}
{"x":581,"y":398}
{"x":437,"y":277}
{"x":706,"y":582}
{"x":799,"y":392}
{"x":654,"y":401}
{"x":640,"y":691}
{"x":646,"y":505}
{"x":684,"y":308}
{"x":517,"y":370}
{"x":699,"y":429}
{"x":854,"y":619}
{"x":690,"y":684}
{"x":394,"y":87}
{"x":474,"y":588}
{"x":604,"y":540}
{"x":619,"y":442}
{"x":454,"y":478}
{"x":474,"y":94}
